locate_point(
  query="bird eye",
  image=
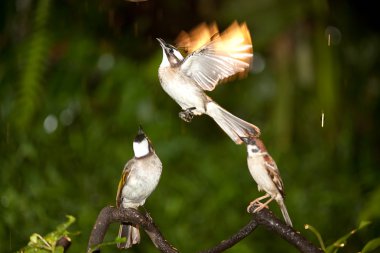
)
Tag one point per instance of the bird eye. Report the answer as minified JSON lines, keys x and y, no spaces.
{"x":171,"y":50}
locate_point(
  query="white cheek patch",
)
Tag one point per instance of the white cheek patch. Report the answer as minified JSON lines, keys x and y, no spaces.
{"x":141,"y":148}
{"x":252,"y":149}
{"x":178,"y":55}
{"x":165,"y":61}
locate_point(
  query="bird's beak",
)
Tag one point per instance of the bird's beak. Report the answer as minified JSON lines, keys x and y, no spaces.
{"x":141,"y":131}
{"x":140,"y":135}
{"x":162,"y":42}
{"x":247,"y":140}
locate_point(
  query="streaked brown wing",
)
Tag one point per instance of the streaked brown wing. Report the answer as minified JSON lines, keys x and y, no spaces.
{"x":123,"y":180}
{"x":274,"y":173}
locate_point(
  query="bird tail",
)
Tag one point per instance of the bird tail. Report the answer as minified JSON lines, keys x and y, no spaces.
{"x":284,"y":212}
{"x":234,"y":127}
{"x":131,"y":233}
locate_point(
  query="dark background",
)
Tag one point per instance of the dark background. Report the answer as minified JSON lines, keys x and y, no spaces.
{"x":78,"y":77}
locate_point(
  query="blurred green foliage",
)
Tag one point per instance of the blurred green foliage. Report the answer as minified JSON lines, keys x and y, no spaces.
{"x":342,"y":241}
{"x":48,"y":243}
{"x":78,"y":77}
{"x":102,"y":245}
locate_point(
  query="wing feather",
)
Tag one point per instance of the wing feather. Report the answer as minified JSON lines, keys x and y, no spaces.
{"x":224,"y":56}
{"x":274,"y":173}
{"x":123,"y":180}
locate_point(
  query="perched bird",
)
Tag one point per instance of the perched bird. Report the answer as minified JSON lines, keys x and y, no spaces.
{"x":138,"y":180}
{"x":219,"y":57}
{"x":267,"y":176}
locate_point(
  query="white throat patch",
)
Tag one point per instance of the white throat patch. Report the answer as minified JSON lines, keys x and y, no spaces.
{"x":141,"y":148}
{"x":178,"y":55}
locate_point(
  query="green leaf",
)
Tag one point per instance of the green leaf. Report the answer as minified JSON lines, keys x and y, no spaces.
{"x":371,"y":245}
{"x":47,"y":243}
{"x":341,"y":242}
{"x":102,"y":245}
{"x":37,"y":241}
{"x":363,"y":224}
{"x":33,"y":238}
{"x":60,"y":231}
{"x":33,"y":250}
{"x":59,"y":249}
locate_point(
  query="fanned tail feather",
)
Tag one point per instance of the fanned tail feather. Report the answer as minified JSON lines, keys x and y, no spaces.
{"x":233,"y":126}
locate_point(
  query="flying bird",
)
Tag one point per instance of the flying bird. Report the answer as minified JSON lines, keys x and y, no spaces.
{"x":212,"y":58}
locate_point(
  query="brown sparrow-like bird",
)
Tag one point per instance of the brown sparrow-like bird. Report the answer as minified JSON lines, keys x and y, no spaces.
{"x":138,"y":180}
{"x":267,"y":176}
{"x":217,"y":57}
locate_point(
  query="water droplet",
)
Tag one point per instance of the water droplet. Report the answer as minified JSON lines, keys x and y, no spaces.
{"x":50,"y":123}
{"x":106,"y":62}
{"x":333,"y":35}
{"x":67,"y":116}
{"x":258,"y":64}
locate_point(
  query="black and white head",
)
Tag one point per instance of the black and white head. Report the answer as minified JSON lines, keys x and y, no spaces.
{"x":141,"y":144}
{"x":171,"y":57}
{"x":253,"y":146}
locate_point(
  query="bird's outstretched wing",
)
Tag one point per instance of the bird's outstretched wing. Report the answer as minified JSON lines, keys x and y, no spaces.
{"x":197,"y":37}
{"x":225,"y":55}
{"x":123,"y":180}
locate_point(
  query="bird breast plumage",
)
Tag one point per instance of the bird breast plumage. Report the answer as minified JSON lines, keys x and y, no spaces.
{"x":256,"y":165}
{"x":183,"y":89}
{"x":142,"y":181}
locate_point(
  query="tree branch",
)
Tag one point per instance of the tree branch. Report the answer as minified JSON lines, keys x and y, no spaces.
{"x":65,"y":242}
{"x":240,"y":235}
{"x":270,"y":222}
{"x":112,"y":214}
{"x":263,"y":218}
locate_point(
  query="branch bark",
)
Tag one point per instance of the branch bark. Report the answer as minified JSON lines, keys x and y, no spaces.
{"x":65,"y":242}
{"x":263,"y":218}
{"x":112,"y":214}
{"x":240,"y":235}
{"x":270,"y":222}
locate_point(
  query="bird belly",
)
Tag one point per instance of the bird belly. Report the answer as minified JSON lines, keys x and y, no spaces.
{"x":183,"y":90}
{"x":260,"y":175}
{"x":141,"y":182}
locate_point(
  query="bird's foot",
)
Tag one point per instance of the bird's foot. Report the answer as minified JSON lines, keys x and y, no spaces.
{"x":187,"y":115}
{"x":258,"y":206}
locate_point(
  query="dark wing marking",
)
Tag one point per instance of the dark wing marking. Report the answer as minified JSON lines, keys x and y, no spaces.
{"x":274,"y":173}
